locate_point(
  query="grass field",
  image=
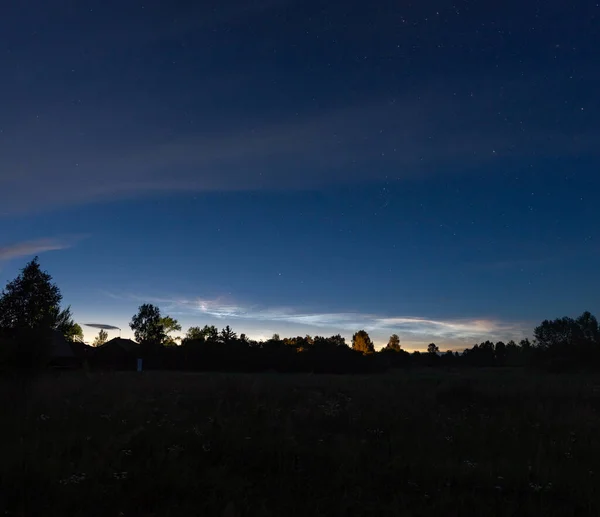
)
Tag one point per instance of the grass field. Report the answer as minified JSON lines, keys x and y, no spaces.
{"x":419,"y":443}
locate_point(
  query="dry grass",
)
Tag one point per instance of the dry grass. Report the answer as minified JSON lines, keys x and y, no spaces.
{"x":480,"y":443}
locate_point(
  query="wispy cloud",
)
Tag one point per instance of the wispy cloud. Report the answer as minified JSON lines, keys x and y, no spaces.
{"x":293,"y":152}
{"x":411,"y":328}
{"x":453,"y":329}
{"x":179,"y":137}
{"x":35,"y":247}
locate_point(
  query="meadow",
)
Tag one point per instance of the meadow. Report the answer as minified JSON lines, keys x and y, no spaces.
{"x":474,"y":442}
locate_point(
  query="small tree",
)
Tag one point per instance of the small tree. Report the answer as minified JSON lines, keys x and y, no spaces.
{"x":75,"y":333}
{"x":432,"y":349}
{"x":63,"y":322}
{"x":147,"y":325}
{"x":211,"y":333}
{"x":32,"y":301}
{"x":227,"y":335}
{"x":30,"y":310}
{"x":101,"y":338}
{"x":361,"y":342}
{"x":207,"y":333}
{"x":394,"y":343}
{"x":500,"y":352}
{"x":194,"y":334}
{"x":588,"y":326}
{"x":525,"y":344}
{"x":338,"y":341}
{"x":170,"y":324}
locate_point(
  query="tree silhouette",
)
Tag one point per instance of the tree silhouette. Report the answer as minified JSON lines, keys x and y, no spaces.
{"x":525,"y":344}
{"x":588,"y":327}
{"x":227,"y":335}
{"x":361,"y":342}
{"x":30,"y":307}
{"x":75,"y":333}
{"x":555,"y":333}
{"x":432,"y":349}
{"x":394,"y":343}
{"x":101,"y":338}
{"x":193,"y":334}
{"x":566,"y":342}
{"x":325,"y":343}
{"x":29,"y":301}
{"x":211,"y":333}
{"x":63,"y":322}
{"x":170,"y":324}
{"x":32,"y":301}
{"x":338,"y":341}
{"x":500,"y":353}
{"x":147,"y":325}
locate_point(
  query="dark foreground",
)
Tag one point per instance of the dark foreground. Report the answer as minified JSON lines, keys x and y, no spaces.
{"x":509,"y":443}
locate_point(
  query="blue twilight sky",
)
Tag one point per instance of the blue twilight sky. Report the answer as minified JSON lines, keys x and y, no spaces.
{"x":425,"y":168}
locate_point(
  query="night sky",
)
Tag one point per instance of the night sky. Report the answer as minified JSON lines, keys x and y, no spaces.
{"x":301,"y":167}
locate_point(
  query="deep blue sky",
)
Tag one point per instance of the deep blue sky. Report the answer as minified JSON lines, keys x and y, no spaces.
{"x":426,"y":168}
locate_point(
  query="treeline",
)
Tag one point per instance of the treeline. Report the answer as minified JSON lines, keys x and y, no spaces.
{"x":559,"y":345}
{"x":225,"y":351}
{"x":31,"y":321}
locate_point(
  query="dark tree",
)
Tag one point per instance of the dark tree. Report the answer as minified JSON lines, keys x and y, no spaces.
{"x":338,"y":341}
{"x":500,"y":352}
{"x":394,"y":343}
{"x":193,"y":334}
{"x":101,"y":338}
{"x":275,"y":343}
{"x":227,"y":335}
{"x":66,"y":326}
{"x":588,"y":327}
{"x":566,"y":342}
{"x":147,"y":325}
{"x":555,"y":333}
{"x":290,"y":342}
{"x":32,"y":301}
{"x":432,"y":349}
{"x":361,"y":342}
{"x":321,"y":342}
{"x":329,"y":343}
{"x":211,"y":333}
{"x":74,"y":333}
{"x":208,"y":333}
{"x":525,"y":344}
{"x":170,"y":324}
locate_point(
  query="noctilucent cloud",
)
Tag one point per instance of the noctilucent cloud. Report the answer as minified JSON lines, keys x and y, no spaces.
{"x":428,"y":169}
